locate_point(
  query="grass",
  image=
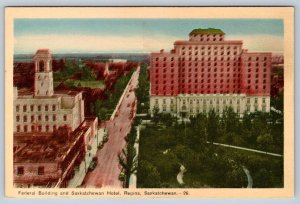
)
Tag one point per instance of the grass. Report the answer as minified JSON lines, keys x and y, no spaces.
{"x":91,"y":84}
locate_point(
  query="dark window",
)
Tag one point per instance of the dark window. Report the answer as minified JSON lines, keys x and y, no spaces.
{"x":41,"y":170}
{"x":20,"y":170}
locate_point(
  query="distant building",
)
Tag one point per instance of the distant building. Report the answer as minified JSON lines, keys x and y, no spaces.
{"x":208,"y":72}
{"x":117,"y":60}
{"x":41,"y":117}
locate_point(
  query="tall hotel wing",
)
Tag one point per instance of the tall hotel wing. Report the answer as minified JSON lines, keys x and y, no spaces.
{"x":208,"y":72}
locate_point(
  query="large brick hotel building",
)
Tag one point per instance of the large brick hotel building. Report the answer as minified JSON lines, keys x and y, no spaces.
{"x":208,"y":72}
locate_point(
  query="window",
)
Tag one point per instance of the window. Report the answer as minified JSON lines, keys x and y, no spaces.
{"x":41,"y":170}
{"x":24,"y":108}
{"x":53,"y":107}
{"x":20,"y":170}
{"x":25,"y":118}
{"x":47,"y":128}
{"x":40,"y":118}
{"x":39,"y":107}
{"x":54,"y":117}
{"x":32,"y":128}
{"x":46,"y":117}
{"x":25,"y":128}
{"x":31,"y":108}
{"x":65,"y":117}
{"x":17,"y":108}
{"x":18,"y":118}
{"x":18,"y":128}
{"x":40,"y":128}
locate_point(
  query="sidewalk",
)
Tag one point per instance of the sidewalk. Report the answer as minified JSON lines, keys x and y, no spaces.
{"x":247,"y":149}
{"x":83,"y":167}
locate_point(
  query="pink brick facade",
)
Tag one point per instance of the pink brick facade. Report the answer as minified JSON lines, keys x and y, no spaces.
{"x":207,"y":64}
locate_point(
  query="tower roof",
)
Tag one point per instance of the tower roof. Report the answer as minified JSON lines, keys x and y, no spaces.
{"x":206,"y":31}
{"x":43,"y":51}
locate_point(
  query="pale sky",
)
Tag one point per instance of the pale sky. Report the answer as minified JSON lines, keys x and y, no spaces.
{"x":137,"y":35}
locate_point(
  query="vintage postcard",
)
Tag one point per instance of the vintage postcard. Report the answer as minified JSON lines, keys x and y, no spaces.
{"x":149,"y":102}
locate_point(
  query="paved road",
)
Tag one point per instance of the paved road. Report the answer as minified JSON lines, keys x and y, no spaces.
{"x":107,"y":170}
{"x":249,"y":178}
{"x":247,"y":149}
{"x":180,"y":175}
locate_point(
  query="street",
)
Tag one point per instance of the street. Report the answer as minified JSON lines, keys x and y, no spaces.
{"x":106,"y":173}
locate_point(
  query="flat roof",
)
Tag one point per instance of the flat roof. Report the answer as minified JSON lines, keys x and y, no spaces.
{"x":47,"y":150}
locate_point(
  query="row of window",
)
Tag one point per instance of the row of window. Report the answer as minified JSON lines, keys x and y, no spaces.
{"x":210,"y":101}
{"x":173,"y":93}
{"x":209,"y":70}
{"x":252,"y":59}
{"x":35,"y":128}
{"x":164,"y":76}
{"x":40,"y":171}
{"x":210,"y":47}
{"x":206,"y":87}
{"x":216,"y":64}
{"x":257,"y":76}
{"x":39,"y":118}
{"x":204,"y":91}
{"x":35,"y":107}
{"x":207,"y":80}
{"x":217,"y":109}
{"x":210,"y":53}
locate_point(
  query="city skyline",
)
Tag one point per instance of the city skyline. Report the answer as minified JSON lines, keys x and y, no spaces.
{"x":143,"y":35}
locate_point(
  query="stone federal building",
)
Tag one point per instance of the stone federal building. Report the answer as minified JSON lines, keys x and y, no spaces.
{"x":208,"y":72}
{"x":40,"y":158}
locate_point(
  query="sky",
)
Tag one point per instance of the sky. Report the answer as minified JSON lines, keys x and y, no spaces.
{"x":137,"y":35}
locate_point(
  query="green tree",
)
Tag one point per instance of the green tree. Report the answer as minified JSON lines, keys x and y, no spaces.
{"x":265,"y":140}
{"x":231,"y":121}
{"x":148,"y":175}
{"x":156,"y":115}
{"x":212,"y":126}
{"x":128,"y":161}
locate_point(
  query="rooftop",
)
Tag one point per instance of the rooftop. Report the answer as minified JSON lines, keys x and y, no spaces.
{"x":206,"y":31}
{"x":49,"y":149}
{"x":43,"y":51}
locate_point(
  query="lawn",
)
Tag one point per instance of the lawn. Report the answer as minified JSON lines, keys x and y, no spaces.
{"x":91,"y":84}
{"x":96,"y":84}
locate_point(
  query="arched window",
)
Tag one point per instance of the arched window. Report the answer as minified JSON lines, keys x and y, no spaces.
{"x":41,"y":66}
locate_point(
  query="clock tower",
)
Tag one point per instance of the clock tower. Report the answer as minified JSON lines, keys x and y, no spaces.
{"x":43,"y":78}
